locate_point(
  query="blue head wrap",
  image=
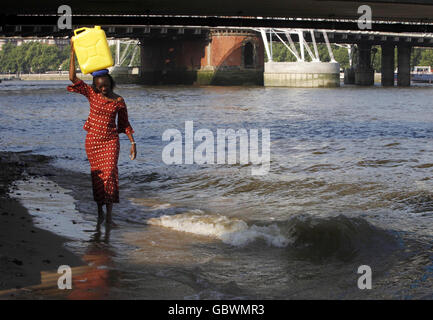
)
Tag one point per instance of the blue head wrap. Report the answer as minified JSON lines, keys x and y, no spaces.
{"x":100,"y":72}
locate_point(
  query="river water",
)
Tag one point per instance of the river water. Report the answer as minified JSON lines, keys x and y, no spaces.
{"x":350,"y":184}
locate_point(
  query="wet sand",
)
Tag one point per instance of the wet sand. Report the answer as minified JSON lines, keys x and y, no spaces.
{"x":30,"y":256}
{"x":27,"y":253}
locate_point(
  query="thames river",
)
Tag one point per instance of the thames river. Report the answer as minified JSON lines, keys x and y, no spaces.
{"x":350,"y":183}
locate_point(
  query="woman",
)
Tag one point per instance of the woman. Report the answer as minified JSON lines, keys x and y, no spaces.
{"x":102,"y":139}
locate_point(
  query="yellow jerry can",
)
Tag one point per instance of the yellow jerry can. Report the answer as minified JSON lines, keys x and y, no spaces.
{"x":92,"y":50}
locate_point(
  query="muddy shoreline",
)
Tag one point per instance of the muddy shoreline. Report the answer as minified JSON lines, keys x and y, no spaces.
{"x":26,"y":251}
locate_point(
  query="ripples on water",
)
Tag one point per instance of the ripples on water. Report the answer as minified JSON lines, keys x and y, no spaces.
{"x":350,"y":184}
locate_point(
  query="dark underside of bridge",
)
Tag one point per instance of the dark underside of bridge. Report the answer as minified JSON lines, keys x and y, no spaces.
{"x":387,"y":15}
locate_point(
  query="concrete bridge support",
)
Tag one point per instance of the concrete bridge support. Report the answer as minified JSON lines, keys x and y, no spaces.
{"x":388,"y":64}
{"x":302,"y":74}
{"x":403,"y":77}
{"x":364,"y":73}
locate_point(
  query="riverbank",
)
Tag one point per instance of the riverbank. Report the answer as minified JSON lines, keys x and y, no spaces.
{"x":43,"y":76}
{"x":126,"y":76}
{"x":26,"y":251}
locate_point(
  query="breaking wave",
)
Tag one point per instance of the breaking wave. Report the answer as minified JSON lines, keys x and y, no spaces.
{"x":232,"y":231}
{"x":308,"y":236}
{"x":340,"y":236}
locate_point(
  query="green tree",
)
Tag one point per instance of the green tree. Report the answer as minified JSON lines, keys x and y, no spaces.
{"x":341,"y":55}
{"x":415,"y":56}
{"x":426,"y":58}
{"x":7,"y":60}
{"x":31,"y":57}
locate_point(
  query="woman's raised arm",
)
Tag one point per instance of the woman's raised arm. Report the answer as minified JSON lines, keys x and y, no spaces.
{"x":79,"y":85}
{"x":72,"y":75}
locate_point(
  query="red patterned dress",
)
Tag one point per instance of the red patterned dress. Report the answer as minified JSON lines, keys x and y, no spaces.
{"x":102,"y":141}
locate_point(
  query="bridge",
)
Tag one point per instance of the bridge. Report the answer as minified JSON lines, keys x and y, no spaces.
{"x":360,"y":72}
{"x":222,"y":42}
{"x":387,"y":15}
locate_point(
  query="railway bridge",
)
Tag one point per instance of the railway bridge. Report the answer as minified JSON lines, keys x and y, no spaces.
{"x":226,"y":42}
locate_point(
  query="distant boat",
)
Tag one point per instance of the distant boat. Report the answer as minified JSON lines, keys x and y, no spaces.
{"x":422,"y":74}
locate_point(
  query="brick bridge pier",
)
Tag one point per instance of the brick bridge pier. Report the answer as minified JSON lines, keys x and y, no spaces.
{"x":213,"y":57}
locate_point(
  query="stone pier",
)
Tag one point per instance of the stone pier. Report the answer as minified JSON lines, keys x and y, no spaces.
{"x":364,"y":73}
{"x":220,"y":57}
{"x":349,"y":76}
{"x":302,"y":74}
{"x":403,"y":77}
{"x":388,"y":64}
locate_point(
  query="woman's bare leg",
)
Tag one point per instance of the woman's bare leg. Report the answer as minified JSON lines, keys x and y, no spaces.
{"x":100,"y":212}
{"x":109,"y":211}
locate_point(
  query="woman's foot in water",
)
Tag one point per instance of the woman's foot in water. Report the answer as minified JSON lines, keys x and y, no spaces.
{"x":110,"y":223}
{"x":109,"y":220}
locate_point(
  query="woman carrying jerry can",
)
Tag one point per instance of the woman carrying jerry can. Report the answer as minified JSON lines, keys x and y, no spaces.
{"x":102,"y":139}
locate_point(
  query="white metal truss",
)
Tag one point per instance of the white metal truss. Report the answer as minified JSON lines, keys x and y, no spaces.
{"x":316,"y":52}
{"x":265,"y":43}
{"x":292,"y":47}
{"x":303,"y":45}
{"x":120,"y":57}
{"x":133,"y":56}
{"x":331,"y":55}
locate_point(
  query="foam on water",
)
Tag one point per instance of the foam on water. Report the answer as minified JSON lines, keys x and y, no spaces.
{"x":310,"y":237}
{"x":232,"y":231}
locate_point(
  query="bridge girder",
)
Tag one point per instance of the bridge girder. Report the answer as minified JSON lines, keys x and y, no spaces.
{"x":387,"y":10}
{"x":166,"y":32}
{"x":46,"y":25}
{"x":387,"y":15}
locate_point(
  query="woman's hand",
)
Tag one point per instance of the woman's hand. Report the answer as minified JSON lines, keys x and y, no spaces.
{"x":133,"y":152}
